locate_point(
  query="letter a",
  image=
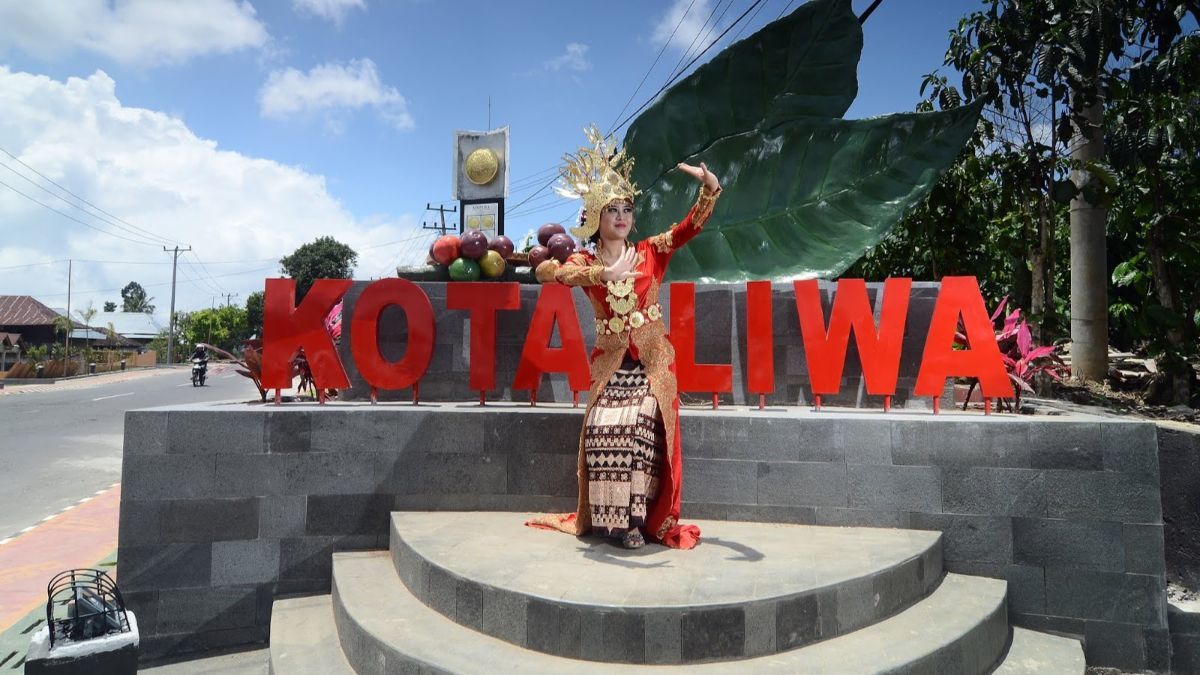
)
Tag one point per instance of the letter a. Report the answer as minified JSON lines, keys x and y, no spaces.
{"x":961,"y":296}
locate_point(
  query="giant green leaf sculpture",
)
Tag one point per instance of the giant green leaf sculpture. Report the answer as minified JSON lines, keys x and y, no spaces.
{"x":807,"y":193}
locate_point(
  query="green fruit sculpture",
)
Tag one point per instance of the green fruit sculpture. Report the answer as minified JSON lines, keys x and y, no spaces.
{"x":492,"y":264}
{"x":464,"y":269}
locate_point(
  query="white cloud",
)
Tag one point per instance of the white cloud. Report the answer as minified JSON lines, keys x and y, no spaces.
{"x":574,"y":59}
{"x":331,"y":88}
{"x":330,"y":10}
{"x":687,"y":19}
{"x":132,"y":32}
{"x":152,"y":171}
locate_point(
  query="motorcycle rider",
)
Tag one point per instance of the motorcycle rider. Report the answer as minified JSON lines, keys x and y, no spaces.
{"x":200,"y":357}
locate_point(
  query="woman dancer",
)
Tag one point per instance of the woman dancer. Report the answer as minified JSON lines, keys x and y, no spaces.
{"x":630,"y":465}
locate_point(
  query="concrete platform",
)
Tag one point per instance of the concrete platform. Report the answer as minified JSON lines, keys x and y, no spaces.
{"x":960,"y":628}
{"x":749,"y":589}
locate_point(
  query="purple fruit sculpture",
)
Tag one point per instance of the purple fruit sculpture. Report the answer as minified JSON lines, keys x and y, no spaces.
{"x":474,"y":244}
{"x":538,"y":255}
{"x":561,"y":247}
{"x":502,"y":245}
{"x":549,"y":230}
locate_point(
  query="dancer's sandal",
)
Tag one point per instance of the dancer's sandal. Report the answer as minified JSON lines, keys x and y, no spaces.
{"x":633,"y":539}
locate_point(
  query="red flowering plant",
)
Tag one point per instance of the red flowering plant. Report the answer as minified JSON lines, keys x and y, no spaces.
{"x":1023,"y":361}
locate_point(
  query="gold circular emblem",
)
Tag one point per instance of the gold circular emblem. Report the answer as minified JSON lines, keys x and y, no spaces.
{"x":616,"y":324}
{"x":636,"y":320}
{"x":653,"y":312}
{"x":481,"y":166}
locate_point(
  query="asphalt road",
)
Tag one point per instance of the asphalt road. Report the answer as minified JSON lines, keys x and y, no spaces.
{"x":60,"y":443}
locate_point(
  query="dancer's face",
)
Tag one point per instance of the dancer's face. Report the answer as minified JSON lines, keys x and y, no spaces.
{"x":616,"y":220}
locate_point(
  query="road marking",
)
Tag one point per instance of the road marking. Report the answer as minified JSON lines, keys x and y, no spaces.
{"x":130,"y":393}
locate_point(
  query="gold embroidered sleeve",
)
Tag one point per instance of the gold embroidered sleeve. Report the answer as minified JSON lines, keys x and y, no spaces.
{"x":577,"y":271}
{"x":683,"y":231}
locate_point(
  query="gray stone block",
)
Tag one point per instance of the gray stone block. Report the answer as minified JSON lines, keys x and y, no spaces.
{"x":533,"y":432}
{"x":281,"y":517}
{"x":1144,"y":549}
{"x":664,"y":637}
{"x":802,"y":483}
{"x":1068,"y":456}
{"x":258,"y":475}
{"x":907,"y":488}
{"x":145,"y":432}
{"x":1068,"y":543}
{"x":365,"y":514}
{"x":620,"y":638}
{"x":1124,"y":497}
{"x":160,"y":566}
{"x":994,"y":491}
{"x":441,"y":591}
{"x":1026,"y":584}
{"x":1185,"y":653}
{"x":254,"y":561}
{"x":761,"y":629}
{"x":1131,"y":447}
{"x":542,"y":474}
{"x":158,"y":476}
{"x":304,"y":558}
{"x":553,"y":628}
{"x":202,"y":432}
{"x":718,"y":633}
{"x":446,"y":473}
{"x":839,"y":517}
{"x":288,"y":431}
{"x":1106,"y":596}
{"x":468,"y":605}
{"x":1058,"y":439}
{"x":325,"y":473}
{"x":762,"y":438}
{"x":208,"y":520}
{"x":185,"y":610}
{"x":865,"y":441}
{"x":720,"y":481}
{"x":363,"y":431}
{"x":797,"y":621}
{"x":504,"y":615}
{"x":140,"y":522}
{"x":957,"y":443}
{"x":970,"y":538}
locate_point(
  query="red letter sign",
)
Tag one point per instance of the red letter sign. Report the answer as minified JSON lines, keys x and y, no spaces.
{"x":960,"y":295}
{"x":760,"y":347}
{"x":693,"y":376}
{"x":878,"y":351}
{"x":287,"y":329}
{"x":554,"y":305}
{"x":483,"y":299}
{"x":364,"y":342}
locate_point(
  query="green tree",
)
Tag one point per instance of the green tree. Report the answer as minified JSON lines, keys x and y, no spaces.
{"x":254,"y":313}
{"x":224,"y":327}
{"x":86,"y":314}
{"x":110,"y":306}
{"x":134,"y":299}
{"x":324,"y":258}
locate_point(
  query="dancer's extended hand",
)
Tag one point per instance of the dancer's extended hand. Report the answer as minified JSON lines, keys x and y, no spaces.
{"x":622,"y":269}
{"x":702,"y":174}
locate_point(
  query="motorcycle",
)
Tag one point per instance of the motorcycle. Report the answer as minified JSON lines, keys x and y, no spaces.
{"x":199,"y":372}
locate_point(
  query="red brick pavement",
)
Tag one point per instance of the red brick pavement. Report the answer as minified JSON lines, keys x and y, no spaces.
{"x":78,"y":537}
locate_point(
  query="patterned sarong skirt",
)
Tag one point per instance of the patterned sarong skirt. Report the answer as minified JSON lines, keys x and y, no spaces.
{"x":623,"y":442}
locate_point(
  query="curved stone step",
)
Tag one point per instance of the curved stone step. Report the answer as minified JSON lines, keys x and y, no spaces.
{"x":749,"y":589}
{"x":961,"y":627}
{"x":304,"y":638}
{"x":1034,"y":653}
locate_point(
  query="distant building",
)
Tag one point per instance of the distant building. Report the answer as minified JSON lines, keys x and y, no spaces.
{"x":28,"y":318}
{"x":137,"y":327}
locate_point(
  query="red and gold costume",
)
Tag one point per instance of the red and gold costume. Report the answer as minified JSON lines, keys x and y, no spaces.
{"x":630,"y":324}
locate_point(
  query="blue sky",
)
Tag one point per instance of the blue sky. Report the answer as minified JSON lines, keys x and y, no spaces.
{"x":245,"y":129}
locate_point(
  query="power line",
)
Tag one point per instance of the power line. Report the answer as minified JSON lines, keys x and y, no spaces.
{"x":655,"y":63}
{"x":749,"y":22}
{"x":705,"y":30}
{"x":140,"y":231}
{"x":689,"y":65}
{"x":70,"y":217}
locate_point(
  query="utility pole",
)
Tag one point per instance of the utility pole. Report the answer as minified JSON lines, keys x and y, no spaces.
{"x":442,"y":211}
{"x":67,"y":340}
{"x":171,"y":331}
{"x":229,"y":297}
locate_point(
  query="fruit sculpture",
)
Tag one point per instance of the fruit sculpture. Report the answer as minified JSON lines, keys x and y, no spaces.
{"x":471,"y":256}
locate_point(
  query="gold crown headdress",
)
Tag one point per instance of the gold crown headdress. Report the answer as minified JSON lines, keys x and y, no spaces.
{"x":598,"y":174}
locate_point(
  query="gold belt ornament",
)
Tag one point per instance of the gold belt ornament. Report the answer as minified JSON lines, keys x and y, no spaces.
{"x":634,"y":319}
